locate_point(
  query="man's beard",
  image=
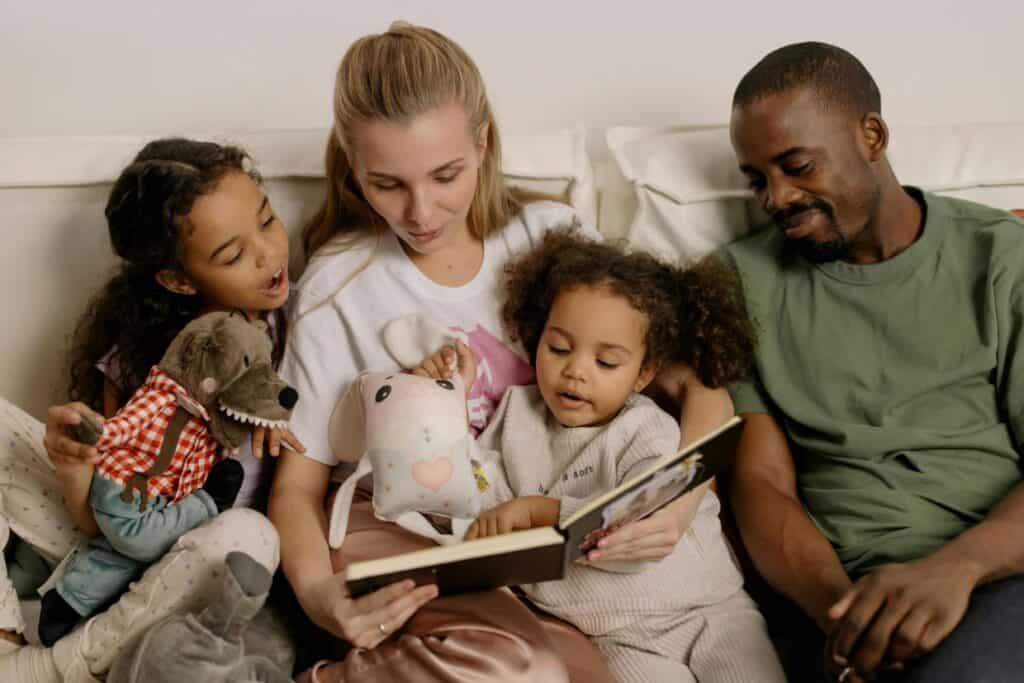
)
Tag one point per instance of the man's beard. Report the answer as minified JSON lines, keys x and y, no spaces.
{"x":835,"y":248}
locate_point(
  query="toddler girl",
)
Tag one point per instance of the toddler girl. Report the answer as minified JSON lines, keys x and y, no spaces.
{"x":598,"y":323}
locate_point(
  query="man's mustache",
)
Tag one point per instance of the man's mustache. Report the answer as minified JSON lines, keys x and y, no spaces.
{"x":791,"y":215}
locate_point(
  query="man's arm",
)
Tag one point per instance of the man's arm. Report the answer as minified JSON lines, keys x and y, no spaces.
{"x":992,"y":549}
{"x":787,"y":548}
{"x":900,"y":611}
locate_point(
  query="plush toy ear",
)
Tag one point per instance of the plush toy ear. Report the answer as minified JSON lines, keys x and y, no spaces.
{"x":412,"y":338}
{"x":345,"y":431}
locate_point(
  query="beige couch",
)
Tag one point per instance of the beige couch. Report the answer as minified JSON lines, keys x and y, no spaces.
{"x":672,"y":190}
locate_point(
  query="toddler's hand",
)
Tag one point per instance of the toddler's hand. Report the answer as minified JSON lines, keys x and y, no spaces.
{"x":444,"y":363}
{"x":518,"y":513}
{"x":650,"y":539}
{"x":272,"y":440}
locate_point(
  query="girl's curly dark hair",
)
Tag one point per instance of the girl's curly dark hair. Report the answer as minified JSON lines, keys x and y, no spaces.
{"x":133,"y":316}
{"x":696,"y":313}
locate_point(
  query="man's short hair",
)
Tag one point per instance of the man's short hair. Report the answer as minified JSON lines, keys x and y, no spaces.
{"x":836,"y":76}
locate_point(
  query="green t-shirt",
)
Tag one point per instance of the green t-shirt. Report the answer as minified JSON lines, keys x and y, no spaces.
{"x":900,"y":384}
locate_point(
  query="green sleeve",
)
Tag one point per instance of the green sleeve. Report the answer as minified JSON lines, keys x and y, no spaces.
{"x":748,"y":396}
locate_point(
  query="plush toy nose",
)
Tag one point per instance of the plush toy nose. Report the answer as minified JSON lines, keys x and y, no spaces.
{"x":288,"y":398}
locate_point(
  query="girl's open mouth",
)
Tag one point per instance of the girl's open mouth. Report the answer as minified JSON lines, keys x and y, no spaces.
{"x":278,"y":283}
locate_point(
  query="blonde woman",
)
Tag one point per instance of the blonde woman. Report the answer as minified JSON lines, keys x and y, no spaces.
{"x":417,"y":219}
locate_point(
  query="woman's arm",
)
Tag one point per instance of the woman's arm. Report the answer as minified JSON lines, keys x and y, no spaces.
{"x":296,"y":508}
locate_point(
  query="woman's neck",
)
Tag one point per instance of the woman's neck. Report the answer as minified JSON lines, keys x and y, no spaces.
{"x":453,"y":266}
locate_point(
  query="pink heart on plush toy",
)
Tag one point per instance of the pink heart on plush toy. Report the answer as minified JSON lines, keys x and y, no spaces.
{"x":433,"y":473}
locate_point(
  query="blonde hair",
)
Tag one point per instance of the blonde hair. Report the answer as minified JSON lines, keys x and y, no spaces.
{"x":395,"y":76}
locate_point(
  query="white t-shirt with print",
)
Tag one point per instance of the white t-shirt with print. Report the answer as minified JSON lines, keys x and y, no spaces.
{"x":344,"y":300}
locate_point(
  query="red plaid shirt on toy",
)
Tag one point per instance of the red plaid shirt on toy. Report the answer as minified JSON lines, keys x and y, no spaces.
{"x":131,"y":441}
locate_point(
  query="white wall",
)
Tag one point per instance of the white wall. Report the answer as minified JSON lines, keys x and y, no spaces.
{"x":102,"y":67}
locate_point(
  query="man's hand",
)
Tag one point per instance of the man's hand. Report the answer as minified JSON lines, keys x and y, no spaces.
{"x":898,"y":612}
{"x":518,"y":513}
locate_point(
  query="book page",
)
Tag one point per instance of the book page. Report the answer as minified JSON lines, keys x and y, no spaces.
{"x":647,"y":499}
{"x":665,"y":480}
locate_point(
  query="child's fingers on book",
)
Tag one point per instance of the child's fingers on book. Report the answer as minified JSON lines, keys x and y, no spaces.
{"x":648,"y":547}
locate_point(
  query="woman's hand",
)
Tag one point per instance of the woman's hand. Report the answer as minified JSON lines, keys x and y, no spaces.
{"x":64,"y":451}
{"x":448,"y":361}
{"x":271,"y":440}
{"x":518,"y":513}
{"x":650,"y":539}
{"x":367,"y":621}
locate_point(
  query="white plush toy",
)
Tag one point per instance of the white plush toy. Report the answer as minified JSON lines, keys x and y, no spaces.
{"x":413,"y":434}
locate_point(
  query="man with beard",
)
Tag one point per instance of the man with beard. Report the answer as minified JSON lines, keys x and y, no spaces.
{"x":878,"y":481}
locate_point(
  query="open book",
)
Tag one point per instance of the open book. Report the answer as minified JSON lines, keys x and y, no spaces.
{"x":544,"y":553}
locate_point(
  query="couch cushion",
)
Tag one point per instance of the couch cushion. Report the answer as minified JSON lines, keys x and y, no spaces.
{"x":691,"y":198}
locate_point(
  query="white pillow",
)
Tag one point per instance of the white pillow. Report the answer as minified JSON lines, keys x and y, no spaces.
{"x":554,"y":162}
{"x":691,"y":198}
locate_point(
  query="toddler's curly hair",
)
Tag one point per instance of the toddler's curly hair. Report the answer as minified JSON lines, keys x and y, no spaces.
{"x":696,"y":313}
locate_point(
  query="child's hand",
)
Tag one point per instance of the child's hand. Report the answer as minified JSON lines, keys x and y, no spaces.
{"x":650,"y":539}
{"x":63,"y":450}
{"x":444,"y":363}
{"x":273,"y":439}
{"x":518,"y":513}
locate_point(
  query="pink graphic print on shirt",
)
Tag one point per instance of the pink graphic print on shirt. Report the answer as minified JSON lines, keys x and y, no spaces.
{"x":497,"y":368}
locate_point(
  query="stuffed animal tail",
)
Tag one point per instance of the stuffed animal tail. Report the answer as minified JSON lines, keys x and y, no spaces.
{"x":338,"y":522}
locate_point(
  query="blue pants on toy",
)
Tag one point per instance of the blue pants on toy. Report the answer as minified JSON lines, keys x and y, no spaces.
{"x":131,"y":540}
